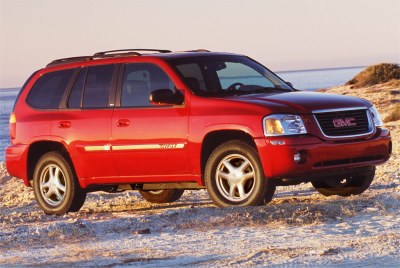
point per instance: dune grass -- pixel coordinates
(376, 74)
(394, 115)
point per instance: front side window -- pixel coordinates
(140, 79)
(49, 89)
(220, 75)
(193, 76)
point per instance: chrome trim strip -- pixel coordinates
(149, 146)
(371, 125)
(339, 110)
(97, 148)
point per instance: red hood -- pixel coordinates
(305, 101)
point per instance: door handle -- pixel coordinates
(123, 122)
(64, 124)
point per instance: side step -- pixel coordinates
(163, 186)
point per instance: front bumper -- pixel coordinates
(320, 157)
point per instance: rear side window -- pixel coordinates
(49, 89)
(97, 88)
(92, 88)
(75, 97)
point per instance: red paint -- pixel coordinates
(166, 141)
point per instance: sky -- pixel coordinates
(281, 34)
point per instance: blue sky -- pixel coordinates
(281, 34)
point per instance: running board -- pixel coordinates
(161, 186)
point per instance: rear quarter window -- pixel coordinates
(49, 89)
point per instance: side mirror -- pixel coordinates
(166, 97)
(289, 84)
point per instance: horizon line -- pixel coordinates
(284, 71)
(318, 69)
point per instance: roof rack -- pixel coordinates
(69, 60)
(106, 54)
(114, 53)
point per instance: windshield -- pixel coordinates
(227, 75)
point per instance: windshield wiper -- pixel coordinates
(260, 90)
(244, 91)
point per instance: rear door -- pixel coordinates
(148, 141)
(84, 121)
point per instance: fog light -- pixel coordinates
(297, 158)
(300, 157)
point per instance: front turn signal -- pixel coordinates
(273, 126)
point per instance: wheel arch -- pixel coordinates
(38, 149)
(215, 138)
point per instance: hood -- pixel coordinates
(304, 101)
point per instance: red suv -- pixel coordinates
(160, 122)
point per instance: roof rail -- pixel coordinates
(69, 60)
(114, 53)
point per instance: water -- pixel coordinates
(7, 99)
(322, 78)
(304, 80)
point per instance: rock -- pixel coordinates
(142, 231)
(330, 251)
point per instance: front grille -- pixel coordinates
(344, 123)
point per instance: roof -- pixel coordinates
(162, 53)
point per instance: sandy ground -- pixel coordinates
(299, 227)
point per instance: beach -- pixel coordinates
(299, 227)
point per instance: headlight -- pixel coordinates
(376, 117)
(283, 124)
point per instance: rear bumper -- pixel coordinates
(320, 157)
(16, 161)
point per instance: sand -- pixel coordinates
(299, 227)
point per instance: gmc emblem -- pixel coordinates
(345, 122)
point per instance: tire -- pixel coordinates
(234, 176)
(55, 185)
(269, 193)
(162, 196)
(346, 186)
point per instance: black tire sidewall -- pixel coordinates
(166, 196)
(359, 184)
(257, 196)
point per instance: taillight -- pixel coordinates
(13, 126)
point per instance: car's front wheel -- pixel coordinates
(234, 176)
(56, 188)
(347, 185)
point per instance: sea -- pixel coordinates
(304, 80)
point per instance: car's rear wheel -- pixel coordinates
(162, 196)
(234, 176)
(346, 185)
(56, 188)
